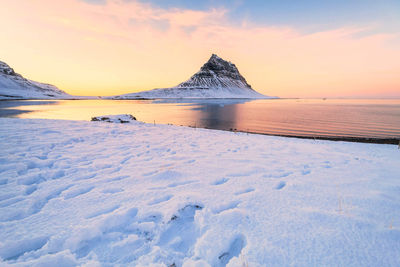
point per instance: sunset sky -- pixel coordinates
(286, 48)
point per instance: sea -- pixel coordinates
(365, 120)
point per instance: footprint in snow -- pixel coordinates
(224, 207)
(77, 192)
(36, 206)
(102, 211)
(149, 173)
(118, 178)
(244, 191)
(220, 181)
(181, 232)
(280, 185)
(30, 189)
(278, 174)
(234, 250)
(327, 164)
(306, 170)
(112, 190)
(18, 248)
(86, 177)
(9, 202)
(166, 175)
(181, 183)
(157, 188)
(167, 165)
(7, 196)
(151, 217)
(160, 200)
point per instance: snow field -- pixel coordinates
(101, 194)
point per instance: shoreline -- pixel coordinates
(368, 140)
(355, 139)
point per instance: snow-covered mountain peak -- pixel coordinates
(6, 69)
(219, 65)
(15, 86)
(216, 72)
(217, 78)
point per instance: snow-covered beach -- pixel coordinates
(102, 194)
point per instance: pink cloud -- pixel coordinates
(122, 46)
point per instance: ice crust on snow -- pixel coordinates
(14, 86)
(217, 78)
(104, 194)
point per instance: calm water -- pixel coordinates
(299, 117)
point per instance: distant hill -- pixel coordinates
(217, 78)
(14, 86)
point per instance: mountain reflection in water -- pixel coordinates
(364, 118)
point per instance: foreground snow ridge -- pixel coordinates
(136, 194)
(217, 78)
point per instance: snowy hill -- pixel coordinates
(14, 86)
(216, 79)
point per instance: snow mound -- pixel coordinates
(122, 118)
(217, 78)
(14, 86)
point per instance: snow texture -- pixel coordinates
(103, 194)
(14, 86)
(217, 78)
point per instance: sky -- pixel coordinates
(285, 48)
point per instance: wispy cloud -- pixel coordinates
(120, 46)
(96, 2)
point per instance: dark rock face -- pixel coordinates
(216, 73)
(123, 118)
(5, 69)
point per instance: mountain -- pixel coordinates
(217, 78)
(14, 86)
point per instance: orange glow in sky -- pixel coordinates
(129, 46)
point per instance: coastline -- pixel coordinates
(368, 140)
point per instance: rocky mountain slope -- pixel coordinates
(14, 86)
(217, 78)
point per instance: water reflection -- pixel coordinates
(211, 113)
(300, 117)
(211, 101)
(217, 116)
(10, 108)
